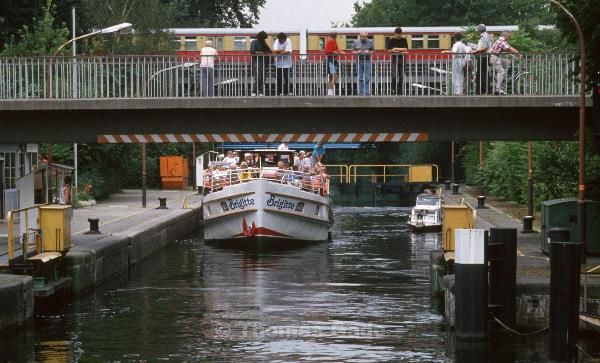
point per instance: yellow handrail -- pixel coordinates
(384, 171)
(11, 230)
(342, 172)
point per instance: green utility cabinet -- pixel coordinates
(563, 213)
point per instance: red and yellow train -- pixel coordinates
(421, 40)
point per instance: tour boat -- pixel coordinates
(265, 202)
(426, 215)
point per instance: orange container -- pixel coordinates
(174, 172)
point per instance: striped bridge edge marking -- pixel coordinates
(269, 138)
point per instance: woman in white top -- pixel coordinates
(459, 60)
(208, 56)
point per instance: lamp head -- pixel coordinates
(116, 28)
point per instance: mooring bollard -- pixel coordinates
(163, 203)
(480, 201)
(94, 229)
(502, 252)
(455, 189)
(565, 259)
(527, 224)
(471, 286)
(447, 185)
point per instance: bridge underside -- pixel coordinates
(390, 118)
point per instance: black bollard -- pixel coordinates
(528, 224)
(481, 202)
(163, 203)
(502, 252)
(455, 189)
(447, 185)
(94, 229)
(471, 286)
(565, 259)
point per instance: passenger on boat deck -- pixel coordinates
(236, 156)
(301, 161)
(230, 158)
(220, 157)
(248, 160)
(245, 175)
(233, 174)
(282, 172)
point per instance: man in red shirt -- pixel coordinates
(331, 51)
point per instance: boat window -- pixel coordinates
(299, 207)
(224, 206)
(424, 200)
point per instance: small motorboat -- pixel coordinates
(426, 215)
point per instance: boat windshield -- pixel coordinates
(428, 200)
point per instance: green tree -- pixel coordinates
(216, 13)
(42, 38)
(451, 12)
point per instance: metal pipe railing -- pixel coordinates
(246, 75)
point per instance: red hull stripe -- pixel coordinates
(262, 231)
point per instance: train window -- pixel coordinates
(433, 41)
(239, 43)
(349, 41)
(417, 41)
(191, 43)
(217, 42)
(322, 41)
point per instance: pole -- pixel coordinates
(528, 219)
(565, 264)
(143, 175)
(194, 165)
(74, 80)
(452, 165)
(581, 194)
(471, 283)
(481, 197)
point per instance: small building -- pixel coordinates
(16, 160)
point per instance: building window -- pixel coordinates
(10, 170)
(239, 43)
(433, 41)
(191, 43)
(417, 41)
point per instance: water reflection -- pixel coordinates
(362, 297)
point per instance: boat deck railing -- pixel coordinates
(218, 180)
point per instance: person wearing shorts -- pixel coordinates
(331, 51)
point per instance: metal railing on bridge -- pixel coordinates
(386, 173)
(307, 75)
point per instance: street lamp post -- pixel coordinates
(581, 222)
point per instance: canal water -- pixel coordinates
(362, 297)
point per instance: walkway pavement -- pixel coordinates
(118, 214)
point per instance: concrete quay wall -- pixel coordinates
(90, 264)
(16, 300)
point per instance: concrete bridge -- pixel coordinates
(165, 99)
(196, 119)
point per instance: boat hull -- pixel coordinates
(424, 228)
(263, 210)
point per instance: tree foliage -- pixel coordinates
(42, 38)
(451, 12)
(587, 13)
(216, 13)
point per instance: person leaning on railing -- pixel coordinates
(483, 47)
(501, 63)
(459, 63)
(233, 174)
(245, 174)
(208, 56)
(260, 61)
(398, 47)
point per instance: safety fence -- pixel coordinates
(292, 75)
